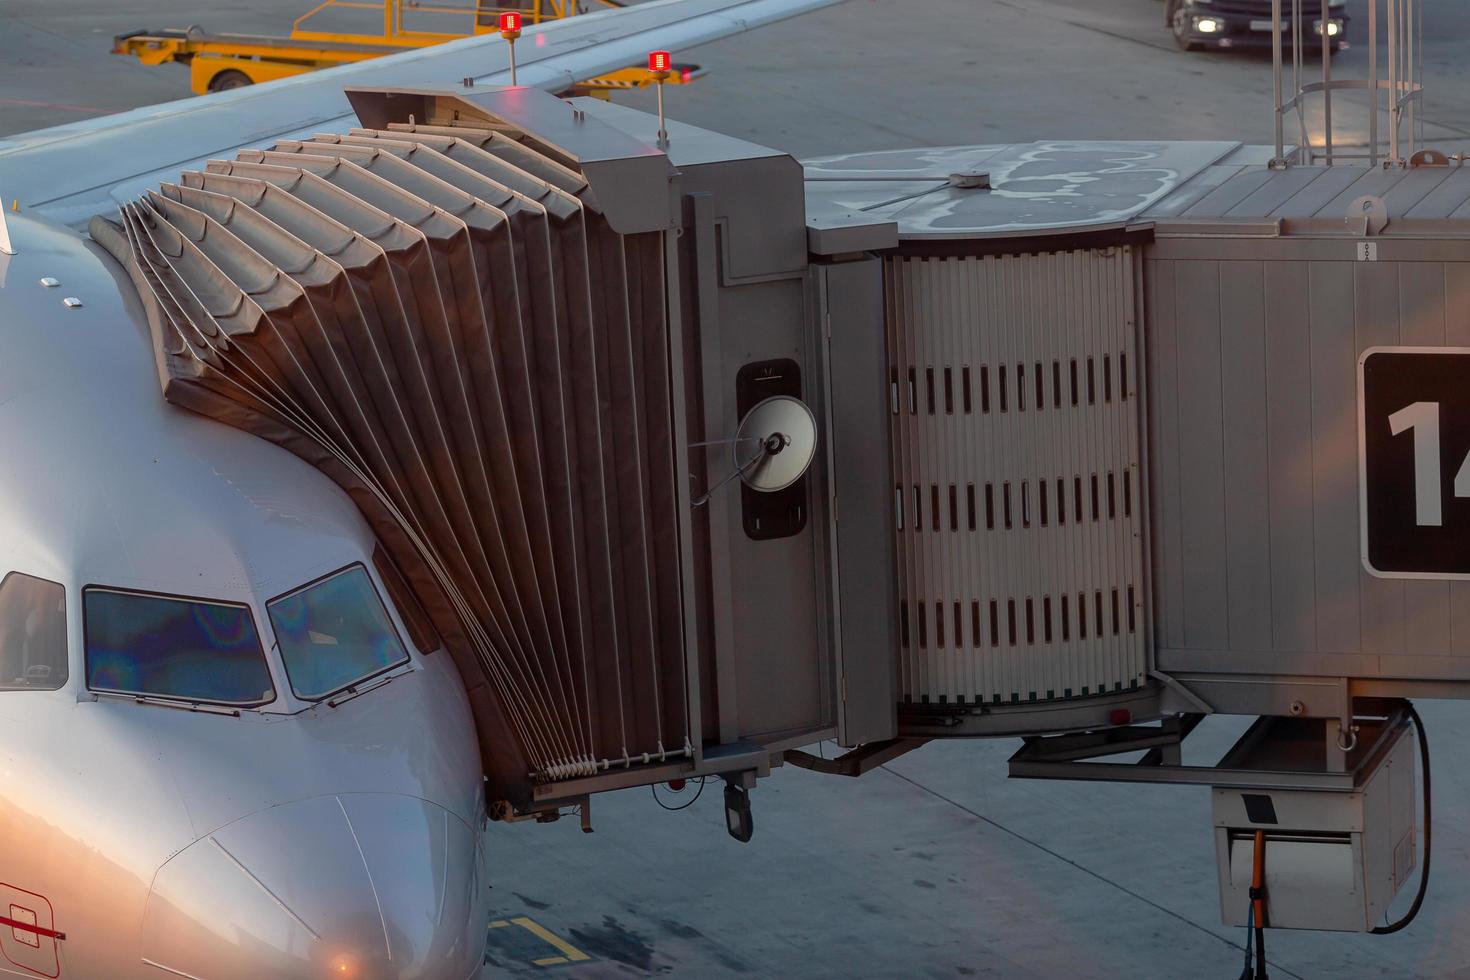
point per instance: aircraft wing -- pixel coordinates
(68, 173)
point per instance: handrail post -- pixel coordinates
(1276, 26)
(1393, 82)
(1326, 83)
(1373, 83)
(1303, 141)
(1409, 48)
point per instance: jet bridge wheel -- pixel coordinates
(228, 79)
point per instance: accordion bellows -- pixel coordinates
(436, 319)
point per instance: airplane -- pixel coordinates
(245, 805)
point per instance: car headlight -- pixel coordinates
(1209, 25)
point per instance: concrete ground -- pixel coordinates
(935, 865)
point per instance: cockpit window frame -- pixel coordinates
(175, 698)
(388, 612)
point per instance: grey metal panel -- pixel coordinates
(861, 513)
(1247, 483)
(1310, 199)
(1329, 663)
(1252, 357)
(1252, 430)
(1422, 323)
(1223, 198)
(1201, 454)
(1177, 243)
(714, 414)
(1288, 411)
(1375, 323)
(1457, 334)
(848, 232)
(1163, 380)
(762, 321)
(1034, 600)
(1035, 188)
(1334, 456)
(1374, 182)
(1192, 190)
(1446, 198)
(767, 601)
(1415, 188)
(1273, 193)
(626, 179)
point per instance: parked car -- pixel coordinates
(1198, 24)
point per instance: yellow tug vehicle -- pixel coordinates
(323, 38)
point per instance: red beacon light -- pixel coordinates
(510, 29)
(660, 66)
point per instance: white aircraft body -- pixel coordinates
(223, 755)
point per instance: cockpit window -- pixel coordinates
(334, 633)
(32, 634)
(191, 649)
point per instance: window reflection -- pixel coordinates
(173, 648)
(334, 633)
(32, 634)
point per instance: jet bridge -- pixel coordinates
(1100, 433)
(504, 327)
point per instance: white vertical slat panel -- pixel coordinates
(1130, 367)
(1001, 317)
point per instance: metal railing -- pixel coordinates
(1403, 23)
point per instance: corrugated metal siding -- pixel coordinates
(1253, 439)
(1016, 464)
(1303, 192)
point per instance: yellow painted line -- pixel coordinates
(499, 924)
(571, 953)
(549, 961)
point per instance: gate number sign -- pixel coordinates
(1414, 461)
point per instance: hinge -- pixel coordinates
(827, 324)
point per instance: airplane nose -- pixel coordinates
(362, 886)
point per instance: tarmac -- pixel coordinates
(935, 865)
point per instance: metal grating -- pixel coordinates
(1013, 398)
(438, 321)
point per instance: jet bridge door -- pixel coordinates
(1019, 515)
